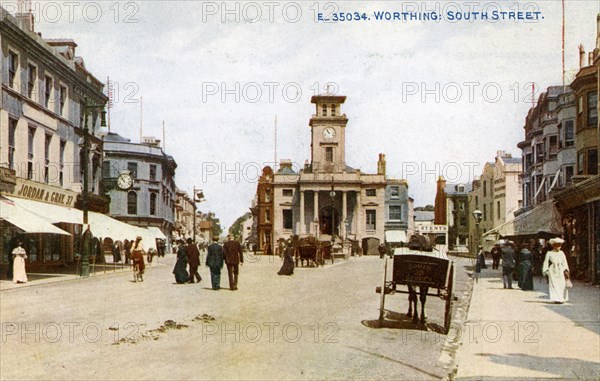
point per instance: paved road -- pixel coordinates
(316, 324)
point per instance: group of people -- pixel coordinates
(230, 254)
(521, 263)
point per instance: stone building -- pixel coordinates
(47, 94)
(184, 215)
(398, 210)
(452, 209)
(262, 211)
(326, 196)
(151, 200)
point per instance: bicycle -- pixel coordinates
(137, 275)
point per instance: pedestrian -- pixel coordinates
(508, 264)
(19, 255)
(116, 252)
(137, 254)
(496, 253)
(180, 272)
(381, 250)
(556, 269)
(127, 250)
(193, 257)
(234, 258)
(214, 261)
(479, 264)
(526, 270)
(288, 259)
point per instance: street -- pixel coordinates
(317, 324)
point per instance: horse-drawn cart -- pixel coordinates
(420, 266)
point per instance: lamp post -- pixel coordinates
(477, 215)
(332, 195)
(198, 197)
(86, 239)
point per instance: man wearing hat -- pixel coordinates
(214, 261)
(234, 256)
(556, 269)
(508, 263)
(193, 257)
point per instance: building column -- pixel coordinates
(359, 227)
(302, 222)
(344, 215)
(316, 211)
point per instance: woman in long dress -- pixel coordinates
(288, 260)
(180, 269)
(19, 255)
(556, 269)
(525, 271)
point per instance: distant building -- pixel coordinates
(184, 216)
(151, 200)
(397, 207)
(262, 210)
(451, 209)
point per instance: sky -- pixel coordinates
(437, 97)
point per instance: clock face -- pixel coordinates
(125, 181)
(329, 133)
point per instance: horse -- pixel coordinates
(419, 243)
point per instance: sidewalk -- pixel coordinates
(521, 335)
(68, 274)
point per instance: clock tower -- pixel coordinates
(328, 134)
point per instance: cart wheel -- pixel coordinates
(449, 298)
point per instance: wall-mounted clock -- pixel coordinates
(125, 181)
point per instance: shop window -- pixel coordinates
(371, 222)
(287, 219)
(132, 203)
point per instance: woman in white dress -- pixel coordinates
(556, 269)
(19, 254)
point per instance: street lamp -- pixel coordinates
(477, 215)
(198, 197)
(86, 239)
(332, 195)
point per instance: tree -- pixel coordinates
(215, 225)
(427, 208)
(236, 228)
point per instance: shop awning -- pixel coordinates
(51, 212)
(25, 220)
(395, 236)
(543, 218)
(157, 232)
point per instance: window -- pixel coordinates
(580, 105)
(287, 219)
(539, 152)
(497, 210)
(592, 109)
(61, 176)
(333, 110)
(47, 91)
(12, 128)
(30, 137)
(484, 188)
(12, 68)
(371, 192)
(476, 202)
(47, 158)
(485, 212)
(553, 147)
(267, 195)
(288, 192)
(395, 213)
(62, 99)
(132, 168)
(394, 192)
(152, 172)
(569, 134)
(324, 110)
(592, 162)
(371, 218)
(106, 169)
(31, 79)
(153, 204)
(568, 174)
(132, 203)
(580, 161)
(329, 154)
(267, 215)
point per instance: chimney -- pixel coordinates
(581, 56)
(500, 153)
(26, 21)
(381, 165)
(590, 58)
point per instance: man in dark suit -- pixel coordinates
(193, 257)
(214, 261)
(234, 256)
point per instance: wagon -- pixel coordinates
(420, 266)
